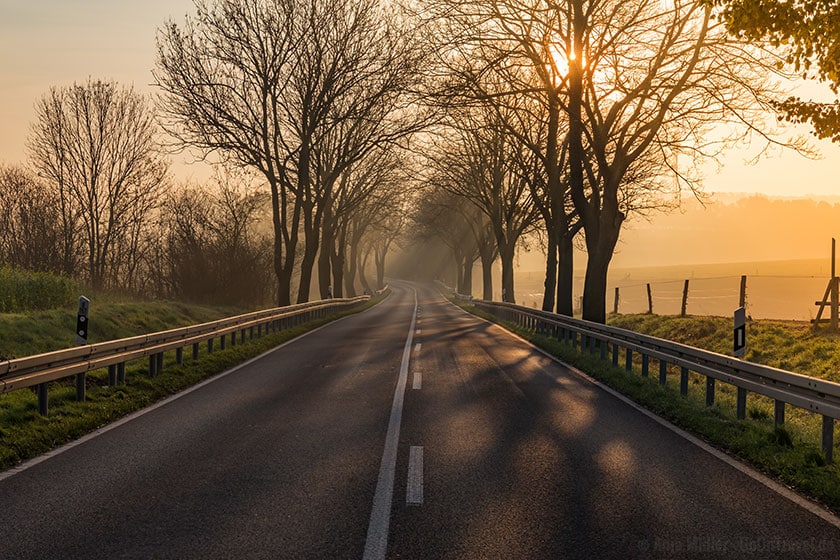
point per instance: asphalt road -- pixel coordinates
(498, 452)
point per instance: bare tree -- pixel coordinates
(95, 144)
(640, 81)
(482, 162)
(31, 235)
(214, 251)
(295, 89)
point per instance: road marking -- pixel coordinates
(376, 543)
(414, 488)
(418, 380)
(417, 346)
(776, 487)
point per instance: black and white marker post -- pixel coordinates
(82, 327)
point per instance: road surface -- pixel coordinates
(372, 439)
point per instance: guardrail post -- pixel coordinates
(628, 359)
(179, 355)
(195, 351)
(80, 386)
(663, 372)
(645, 365)
(223, 341)
(243, 334)
(43, 399)
(684, 381)
(828, 438)
(259, 330)
(741, 403)
(160, 362)
(152, 365)
(779, 413)
(710, 390)
(251, 333)
(121, 373)
(603, 345)
(615, 354)
(112, 375)
(209, 345)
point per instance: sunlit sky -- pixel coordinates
(56, 42)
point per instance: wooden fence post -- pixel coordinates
(684, 299)
(615, 303)
(742, 298)
(650, 300)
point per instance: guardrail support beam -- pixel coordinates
(152, 365)
(663, 372)
(121, 373)
(112, 375)
(684, 381)
(615, 355)
(81, 389)
(645, 365)
(741, 403)
(43, 399)
(710, 390)
(179, 355)
(828, 438)
(779, 413)
(628, 359)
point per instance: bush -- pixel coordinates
(22, 290)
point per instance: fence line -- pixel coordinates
(764, 296)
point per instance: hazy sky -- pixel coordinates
(56, 42)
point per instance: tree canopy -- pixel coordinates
(808, 34)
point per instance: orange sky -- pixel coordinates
(57, 42)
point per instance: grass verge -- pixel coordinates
(789, 453)
(25, 434)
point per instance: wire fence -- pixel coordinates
(765, 297)
(782, 297)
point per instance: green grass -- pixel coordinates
(26, 334)
(25, 434)
(790, 453)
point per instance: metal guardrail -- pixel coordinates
(41, 369)
(785, 387)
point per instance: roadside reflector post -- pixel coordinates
(739, 333)
(82, 328)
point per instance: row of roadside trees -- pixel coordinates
(485, 123)
(603, 110)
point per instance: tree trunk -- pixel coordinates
(550, 284)
(468, 277)
(565, 280)
(506, 255)
(487, 259)
(337, 259)
(325, 257)
(362, 271)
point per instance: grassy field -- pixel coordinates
(790, 453)
(25, 434)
